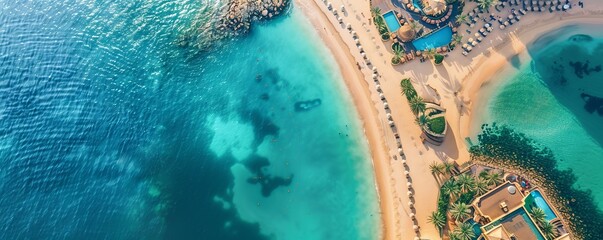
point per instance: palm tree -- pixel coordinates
(449, 168)
(493, 178)
(457, 38)
(417, 105)
(548, 230)
(436, 168)
(464, 232)
(481, 187)
(376, 11)
(398, 52)
(461, 18)
(430, 52)
(538, 215)
(407, 88)
(438, 219)
(486, 4)
(450, 188)
(465, 182)
(422, 120)
(460, 211)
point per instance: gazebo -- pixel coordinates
(406, 33)
(434, 7)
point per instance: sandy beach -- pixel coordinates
(455, 85)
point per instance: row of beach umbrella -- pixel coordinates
(375, 76)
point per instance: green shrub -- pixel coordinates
(437, 125)
(438, 58)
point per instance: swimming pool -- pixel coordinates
(536, 200)
(438, 38)
(392, 21)
(477, 228)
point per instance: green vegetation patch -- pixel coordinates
(437, 125)
(501, 146)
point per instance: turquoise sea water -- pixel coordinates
(114, 125)
(557, 100)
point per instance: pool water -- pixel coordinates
(392, 21)
(438, 38)
(536, 200)
(477, 228)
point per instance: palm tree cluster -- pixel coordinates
(545, 226)
(417, 104)
(459, 191)
(379, 22)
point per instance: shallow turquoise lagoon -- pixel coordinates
(115, 124)
(557, 100)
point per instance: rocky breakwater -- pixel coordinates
(240, 14)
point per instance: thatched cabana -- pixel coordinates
(406, 33)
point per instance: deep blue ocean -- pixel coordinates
(118, 122)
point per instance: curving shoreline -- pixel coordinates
(467, 78)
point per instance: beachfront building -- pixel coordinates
(506, 213)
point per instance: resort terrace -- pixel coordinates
(516, 224)
(499, 201)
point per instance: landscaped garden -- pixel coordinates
(430, 117)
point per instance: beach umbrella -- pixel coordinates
(357, 41)
(558, 7)
(410, 203)
(349, 26)
(502, 26)
(411, 215)
(409, 185)
(404, 162)
(360, 48)
(329, 5)
(363, 55)
(566, 6)
(342, 8)
(378, 87)
(400, 151)
(385, 105)
(490, 28)
(389, 116)
(374, 69)
(374, 74)
(340, 19)
(391, 123)
(381, 96)
(354, 33)
(415, 227)
(517, 17)
(506, 23)
(409, 193)
(407, 173)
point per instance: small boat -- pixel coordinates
(307, 105)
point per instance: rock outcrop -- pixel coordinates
(240, 14)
